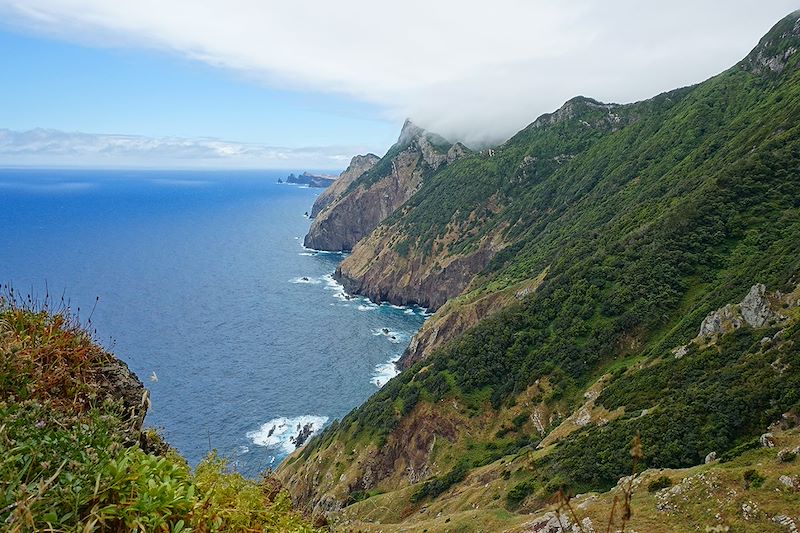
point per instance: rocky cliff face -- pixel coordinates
(460, 314)
(378, 272)
(359, 165)
(377, 193)
(777, 49)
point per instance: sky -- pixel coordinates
(268, 84)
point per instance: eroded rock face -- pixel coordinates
(776, 48)
(351, 216)
(357, 167)
(118, 382)
(414, 281)
(755, 308)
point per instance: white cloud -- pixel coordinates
(466, 68)
(42, 147)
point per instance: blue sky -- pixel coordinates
(311, 82)
(49, 83)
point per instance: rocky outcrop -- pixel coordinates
(368, 200)
(776, 49)
(382, 275)
(460, 314)
(756, 310)
(358, 166)
(117, 382)
(319, 181)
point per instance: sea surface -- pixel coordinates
(206, 291)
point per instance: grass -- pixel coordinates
(70, 452)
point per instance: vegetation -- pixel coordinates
(70, 457)
(646, 217)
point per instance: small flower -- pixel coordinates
(40, 424)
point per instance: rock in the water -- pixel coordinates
(302, 436)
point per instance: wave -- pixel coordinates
(395, 337)
(384, 372)
(287, 434)
(307, 280)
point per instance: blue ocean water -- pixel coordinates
(205, 290)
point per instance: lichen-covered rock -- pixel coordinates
(790, 482)
(710, 458)
(755, 308)
(550, 523)
(721, 321)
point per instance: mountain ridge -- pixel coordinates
(616, 230)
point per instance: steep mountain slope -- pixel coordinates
(605, 234)
(357, 167)
(375, 194)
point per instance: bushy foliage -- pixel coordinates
(646, 217)
(661, 482)
(68, 457)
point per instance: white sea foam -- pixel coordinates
(367, 307)
(337, 288)
(282, 432)
(384, 372)
(307, 280)
(395, 337)
(408, 312)
(308, 254)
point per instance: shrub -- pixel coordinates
(659, 483)
(752, 478)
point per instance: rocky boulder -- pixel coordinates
(755, 310)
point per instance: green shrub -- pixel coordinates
(659, 483)
(752, 478)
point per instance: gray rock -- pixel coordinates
(721, 321)
(755, 309)
(767, 440)
(550, 523)
(787, 522)
(710, 458)
(790, 482)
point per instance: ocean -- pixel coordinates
(205, 290)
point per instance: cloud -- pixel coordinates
(41, 147)
(467, 69)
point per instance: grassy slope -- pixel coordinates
(648, 216)
(701, 496)
(70, 458)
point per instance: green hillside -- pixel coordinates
(645, 218)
